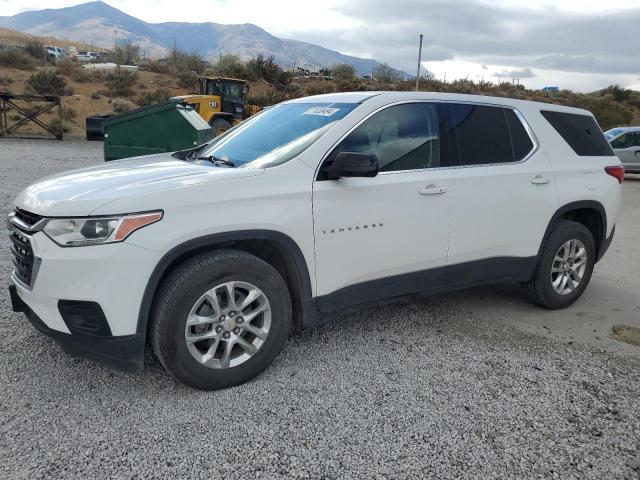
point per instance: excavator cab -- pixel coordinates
(221, 102)
(232, 93)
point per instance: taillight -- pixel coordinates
(617, 172)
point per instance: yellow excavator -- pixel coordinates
(221, 102)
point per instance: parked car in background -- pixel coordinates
(86, 57)
(312, 207)
(625, 142)
(55, 52)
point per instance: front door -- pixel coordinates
(370, 233)
(627, 148)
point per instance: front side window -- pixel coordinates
(277, 135)
(402, 137)
(484, 137)
(628, 140)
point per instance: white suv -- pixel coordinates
(313, 206)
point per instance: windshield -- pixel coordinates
(278, 134)
(612, 133)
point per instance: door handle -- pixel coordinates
(540, 180)
(432, 190)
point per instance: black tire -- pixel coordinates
(540, 289)
(219, 126)
(182, 289)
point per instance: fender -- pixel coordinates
(582, 204)
(209, 240)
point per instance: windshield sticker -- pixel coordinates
(322, 111)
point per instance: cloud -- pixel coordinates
(523, 73)
(498, 34)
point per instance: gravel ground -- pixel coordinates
(414, 390)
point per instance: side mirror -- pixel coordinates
(352, 164)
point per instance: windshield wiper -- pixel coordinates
(216, 161)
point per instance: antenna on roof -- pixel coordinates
(419, 62)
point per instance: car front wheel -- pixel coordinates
(220, 319)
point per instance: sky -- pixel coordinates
(578, 44)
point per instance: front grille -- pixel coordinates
(28, 218)
(23, 258)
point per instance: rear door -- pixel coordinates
(505, 192)
(371, 232)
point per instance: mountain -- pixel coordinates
(100, 24)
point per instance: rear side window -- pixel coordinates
(581, 132)
(488, 135)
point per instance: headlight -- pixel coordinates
(78, 232)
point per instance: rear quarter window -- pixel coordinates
(581, 132)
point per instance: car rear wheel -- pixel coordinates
(220, 319)
(564, 267)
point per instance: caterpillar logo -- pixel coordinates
(365, 226)
(213, 104)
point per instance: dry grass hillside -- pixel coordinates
(87, 92)
(90, 95)
(13, 38)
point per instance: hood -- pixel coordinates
(80, 192)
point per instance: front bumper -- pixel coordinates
(103, 285)
(124, 352)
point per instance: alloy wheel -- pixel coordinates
(228, 324)
(568, 267)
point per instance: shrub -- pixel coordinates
(127, 53)
(35, 49)
(96, 96)
(162, 81)
(60, 126)
(6, 81)
(160, 95)
(188, 80)
(182, 61)
(68, 114)
(230, 66)
(157, 66)
(16, 58)
(67, 66)
(265, 68)
(120, 105)
(121, 82)
(48, 81)
(383, 73)
(618, 93)
(318, 87)
(93, 76)
(266, 98)
(343, 71)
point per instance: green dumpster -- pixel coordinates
(158, 128)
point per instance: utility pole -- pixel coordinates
(419, 62)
